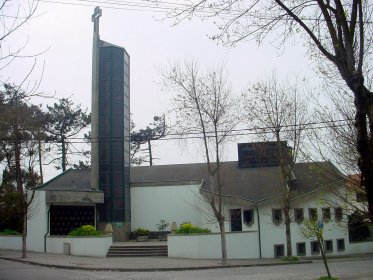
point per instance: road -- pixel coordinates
(352, 269)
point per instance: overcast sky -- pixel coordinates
(64, 33)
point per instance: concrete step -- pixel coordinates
(137, 251)
(148, 254)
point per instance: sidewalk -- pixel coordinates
(139, 263)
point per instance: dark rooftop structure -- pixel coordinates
(262, 154)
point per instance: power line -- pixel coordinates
(164, 6)
(209, 134)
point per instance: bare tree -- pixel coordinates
(338, 34)
(13, 15)
(281, 110)
(337, 142)
(204, 105)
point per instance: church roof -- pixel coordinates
(253, 184)
(70, 180)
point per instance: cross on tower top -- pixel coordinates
(96, 19)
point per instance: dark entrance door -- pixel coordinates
(63, 219)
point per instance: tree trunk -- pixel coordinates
(40, 162)
(223, 243)
(63, 153)
(289, 249)
(364, 112)
(322, 249)
(150, 153)
(285, 171)
(17, 154)
(24, 231)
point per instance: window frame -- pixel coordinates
(329, 242)
(298, 246)
(244, 217)
(313, 252)
(234, 220)
(277, 222)
(296, 216)
(361, 197)
(275, 246)
(326, 212)
(338, 218)
(312, 217)
(339, 248)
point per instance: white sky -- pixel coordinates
(64, 32)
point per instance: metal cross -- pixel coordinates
(96, 19)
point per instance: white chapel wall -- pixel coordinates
(209, 220)
(272, 234)
(37, 224)
(177, 203)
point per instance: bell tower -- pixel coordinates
(110, 146)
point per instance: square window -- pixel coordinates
(301, 249)
(340, 244)
(361, 197)
(312, 214)
(326, 216)
(338, 213)
(277, 216)
(248, 217)
(298, 215)
(279, 250)
(328, 244)
(315, 248)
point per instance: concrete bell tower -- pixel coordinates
(110, 147)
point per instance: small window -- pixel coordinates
(298, 215)
(248, 217)
(328, 244)
(312, 214)
(279, 250)
(340, 244)
(361, 197)
(326, 216)
(338, 214)
(236, 220)
(301, 249)
(315, 248)
(277, 216)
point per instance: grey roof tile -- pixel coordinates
(254, 184)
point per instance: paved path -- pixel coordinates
(346, 269)
(140, 263)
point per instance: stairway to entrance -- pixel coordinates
(138, 250)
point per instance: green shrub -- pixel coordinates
(290, 259)
(86, 230)
(188, 228)
(162, 225)
(9, 232)
(141, 232)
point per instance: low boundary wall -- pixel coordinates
(96, 246)
(360, 247)
(79, 246)
(240, 245)
(11, 242)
